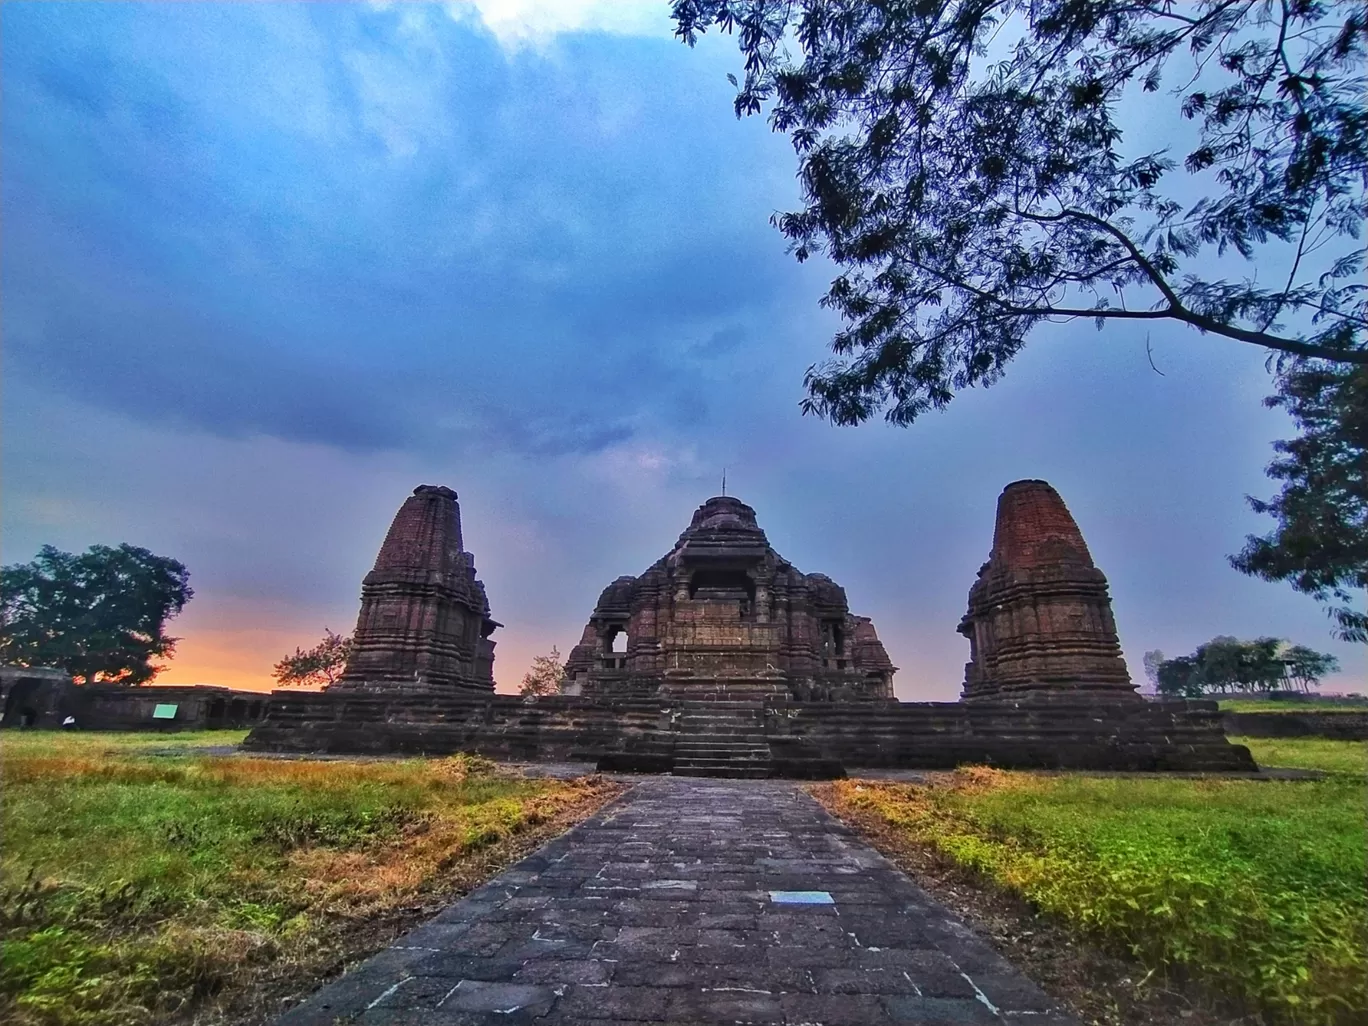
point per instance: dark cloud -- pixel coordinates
(428, 268)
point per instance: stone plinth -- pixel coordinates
(722, 607)
(1040, 621)
(666, 735)
(424, 624)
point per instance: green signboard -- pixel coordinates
(164, 712)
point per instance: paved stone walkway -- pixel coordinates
(659, 909)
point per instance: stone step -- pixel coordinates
(721, 754)
(757, 771)
(725, 743)
(704, 722)
(718, 761)
(721, 721)
(721, 757)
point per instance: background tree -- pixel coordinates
(1305, 667)
(1179, 678)
(1226, 664)
(100, 615)
(962, 163)
(1218, 663)
(1320, 544)
(316, 667)
(545, 676)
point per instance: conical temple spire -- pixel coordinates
(1034, 528)
(425, 534)
(424, 622)
(1040, 619)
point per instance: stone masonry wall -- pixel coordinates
(924, 735)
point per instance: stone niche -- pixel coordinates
(1040, 620)
(424, 625)
(723, 612)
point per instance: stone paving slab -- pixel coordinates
(658, 909)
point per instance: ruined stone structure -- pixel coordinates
(1040, 620)
(737, 664)
(723, 613)
(424, 624)
(48, 699)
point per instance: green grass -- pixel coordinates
(1255, 887)
(144, 889)
(1308, 753)
(107, 742)
(1308, 705)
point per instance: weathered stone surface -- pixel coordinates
(644, 735)
(48, 698)
(658, 909)
(424, 624)
(1040, 620)
(723, 613)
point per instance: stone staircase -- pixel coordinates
(721, 738)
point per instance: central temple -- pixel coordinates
(723, 614)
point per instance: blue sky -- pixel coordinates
(266, 267)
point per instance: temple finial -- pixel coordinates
(724, 480)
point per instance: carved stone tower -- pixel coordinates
(1040, 619)
(424, 623)
(723, 610)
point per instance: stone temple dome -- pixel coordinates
(723, 611)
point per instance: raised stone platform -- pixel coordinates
(1339, 726)
(772, 738)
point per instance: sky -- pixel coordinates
(267, 267)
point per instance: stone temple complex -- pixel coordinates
(723, 659)
(724, 613)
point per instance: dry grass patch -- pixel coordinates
(139, 888)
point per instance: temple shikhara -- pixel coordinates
(723, 612)
(724, 659)
(424, 623)
(1040, 619)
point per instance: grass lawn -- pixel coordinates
(1255, 888)
(1308, 753)
(109, 742)
(1309, 705)
(146, 888)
